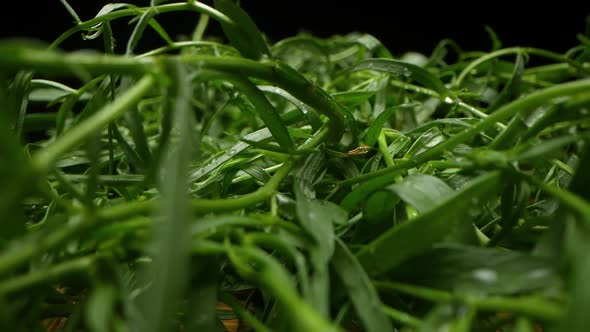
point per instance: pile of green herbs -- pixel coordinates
(310, 185)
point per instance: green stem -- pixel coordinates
(270, 275)
(44, 159)
(564, 196)
(531, 101)
(511, 50)
(46, 276)
(202, 206)
(196, 6)
(400, 316)
(202, 247)
(285, 78)
(17, 56)
(20, 254)
(383, 148)
(262, 106)
(201, 27)
(507, 135)
(216, 205)
(22, 251)
(179, 45)
(422, 90)
(531, 306)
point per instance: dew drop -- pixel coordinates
(485, 275)
(539, 273)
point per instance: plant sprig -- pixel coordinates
(311, 185)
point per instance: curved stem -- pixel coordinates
(196, 6)
(45, 276)
(203, 206)
(564, 196)
(529, 305)
(262, 106)
(44, 159)
(511, 50)
(286, 78)
(270, 275)
(531, 101)
(15, 56)
(179, 45)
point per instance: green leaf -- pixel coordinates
(378, 216)
(360, 193)
(375, 127)
(243, 33)
(257, 266)
(361, 292)
(213, 164)
(423, 192)
(576, 242)
(317, 219)
(309, 174)
(15, 177)
(100, 308)
(132, 155)
(105, 10)
(135, 122)
(209, 225)
(448, 317)
(479, 271)
(372, 44)
(353, 98)
(70, 101)
(18, 100)
(171, 244)
(528, 151)
(312, 117)
(425, 142)
(418, 235)
(258, 173)
(404, 69)
(511, 87)
(301, 42)
(202, 298)
(265, 110)
(161, 31)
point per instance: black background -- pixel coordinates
(401, 26)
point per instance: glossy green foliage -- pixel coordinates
(309, 184)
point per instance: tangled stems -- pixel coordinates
(529, 102)
(203, 206)
(22, 57)
(44, 159)
(511, 50)
(261, 218)
(135, 11)
(528, 305)
(19, 255)
(57, 272)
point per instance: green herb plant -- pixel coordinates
(310, 185)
